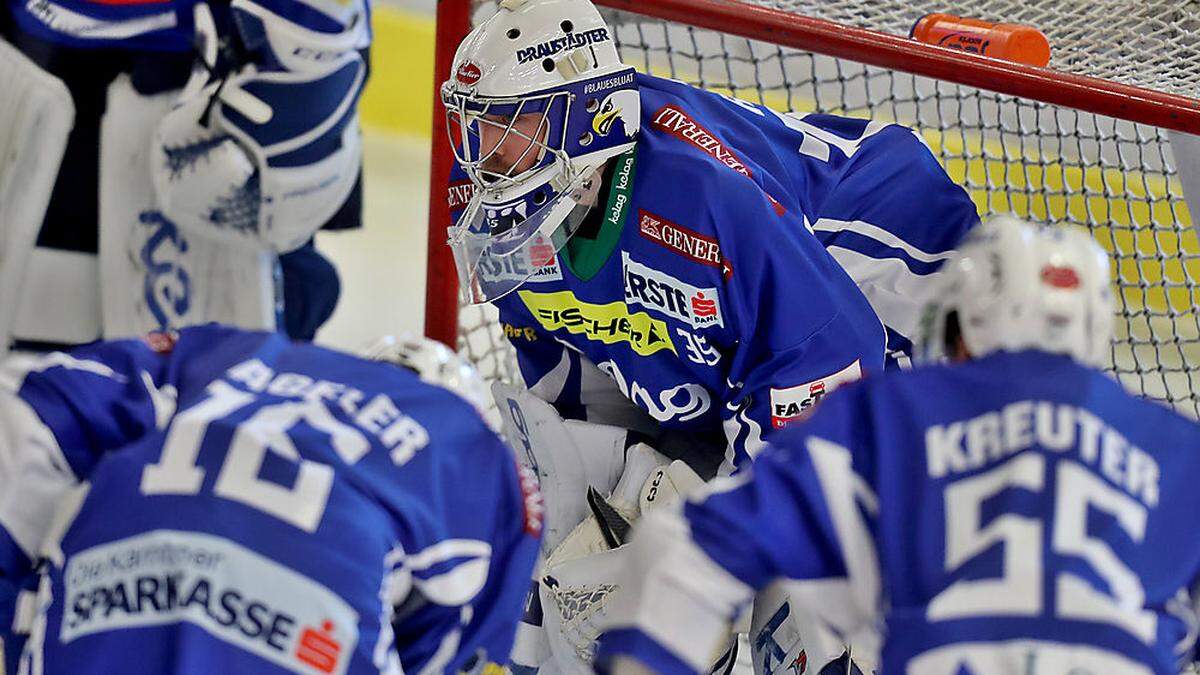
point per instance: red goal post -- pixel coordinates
(1081, 143)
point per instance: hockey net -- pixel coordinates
(1029, 152)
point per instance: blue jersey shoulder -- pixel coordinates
(744, 211)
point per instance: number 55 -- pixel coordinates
(1018, 591)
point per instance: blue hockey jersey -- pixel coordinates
(722, 311)
(1016, 514)
(238, 503)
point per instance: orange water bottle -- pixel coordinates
(1009, 41)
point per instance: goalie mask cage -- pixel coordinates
(1084, 143)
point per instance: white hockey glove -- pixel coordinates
(568, 457)
(582, 576)
(266, 153)
(594, 489)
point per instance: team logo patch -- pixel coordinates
(166, 577)
(610, 323)
(650, 288)
(794, 403)
(691, 245)
(459, 194)
(679, 124)
(568, 41)
(468, 73)
(540, 264)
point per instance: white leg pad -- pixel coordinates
(36, 116)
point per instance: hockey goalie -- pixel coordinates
(681, 273)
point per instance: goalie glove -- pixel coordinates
(568, 456)
(263, 151)
(581, 577)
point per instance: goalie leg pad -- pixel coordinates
(154, 274)
(36, 116)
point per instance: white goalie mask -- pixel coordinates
(537, 102)
(434, 363)
(1014, 286)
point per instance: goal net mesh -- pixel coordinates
(1114, 178)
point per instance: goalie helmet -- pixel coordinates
(434, 363)
(537, 102)
(1013, 286)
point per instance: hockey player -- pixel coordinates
(693, 231)
(232, 502)
(209, 142)
(699, 256)
(1016, 512)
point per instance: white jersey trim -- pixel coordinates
(63, 20)
(881, 235)
(31, 459)
(679, 597)
(893, 290)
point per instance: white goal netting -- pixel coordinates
(1114, 178)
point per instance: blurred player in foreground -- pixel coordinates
(232, 502)
(203, 144)
(1014, 513)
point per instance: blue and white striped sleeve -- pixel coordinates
(891, 221)
(803, 512)
(59, 413)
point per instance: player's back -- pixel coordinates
(288, 499)
(1046, 521)
(847, 181)
(824, 166)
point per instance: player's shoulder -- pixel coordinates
(1006, 376)
(691, 141)
(692, 206)
(884, 151)
(705, 185)
(112, 360)
(455, 431)
(1146, 422)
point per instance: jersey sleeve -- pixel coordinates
(488, 638)
(59, 413)
(889, 242)
(804, 511)
(462, 568)
(803, 326)
(783, 387)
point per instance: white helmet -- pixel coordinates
(434, 363)
(554, 65)
(1013, 286)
